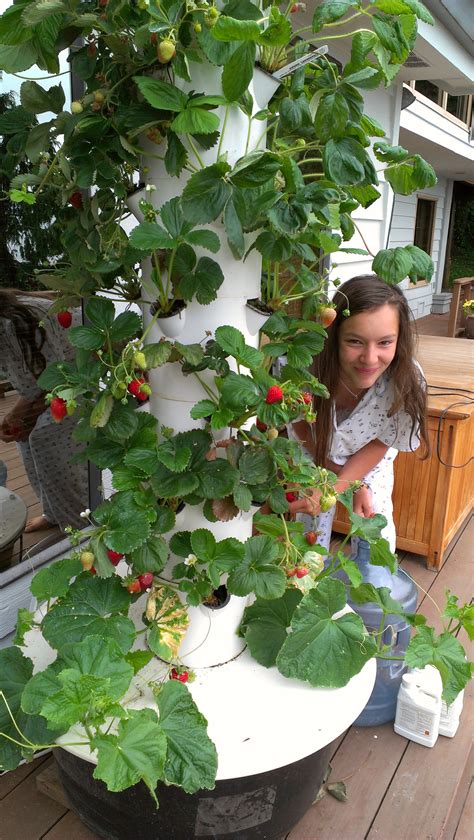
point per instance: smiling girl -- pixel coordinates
(378, 400)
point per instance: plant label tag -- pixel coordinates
(299, 62)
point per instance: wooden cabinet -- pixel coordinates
(433, 497)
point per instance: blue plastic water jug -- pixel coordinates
(382, 703)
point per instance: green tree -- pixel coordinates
(29, 234)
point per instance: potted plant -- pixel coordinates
(468, 312)
(133, 641)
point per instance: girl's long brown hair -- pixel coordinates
(30, 335)
(361, 294)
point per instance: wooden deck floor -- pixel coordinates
(396, 789)
(433, 325)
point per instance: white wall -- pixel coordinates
(402, 231)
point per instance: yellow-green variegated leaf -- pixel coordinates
(169, 624)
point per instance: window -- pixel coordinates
(428, 89)
(459, 107)
(424, 223)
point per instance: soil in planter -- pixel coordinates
(259, 306)
(218, 598)
(176, 307)
(264, 806)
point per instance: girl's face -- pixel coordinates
(367, 345)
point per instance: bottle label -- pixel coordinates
(417, 720)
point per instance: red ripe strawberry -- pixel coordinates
(327, 315)
(290, 497)
(176, 675)
(58, 409)
(301, 572)
(290, 572)
(307, 398)
(114, 557)
(93, 570)
(134, 586)
(76, 200)
(145, 580)
(262, 427)
(274, 395)
(135, 388)
(64, 318)
(311, 537)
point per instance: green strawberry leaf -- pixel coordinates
(127, 525)
(258, 571)
(157, 354)
(152, 556)
(233, 342)
(203, 544)
(54, 581)
(217, 479)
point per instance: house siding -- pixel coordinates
(401, 233)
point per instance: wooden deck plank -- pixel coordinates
(461, 802)
(420, 797)
(465, 828)
(366, 761)
(70, 827)
(25, 814)
(458, 578)
(9, 781)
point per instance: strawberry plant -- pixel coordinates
(217, 221)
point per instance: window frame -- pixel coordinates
(440, 106)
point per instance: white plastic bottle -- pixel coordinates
(418, 711)
(449, 721)
(429, 677)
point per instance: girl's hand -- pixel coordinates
(363, 502)
(309, 504)
(12, 430)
